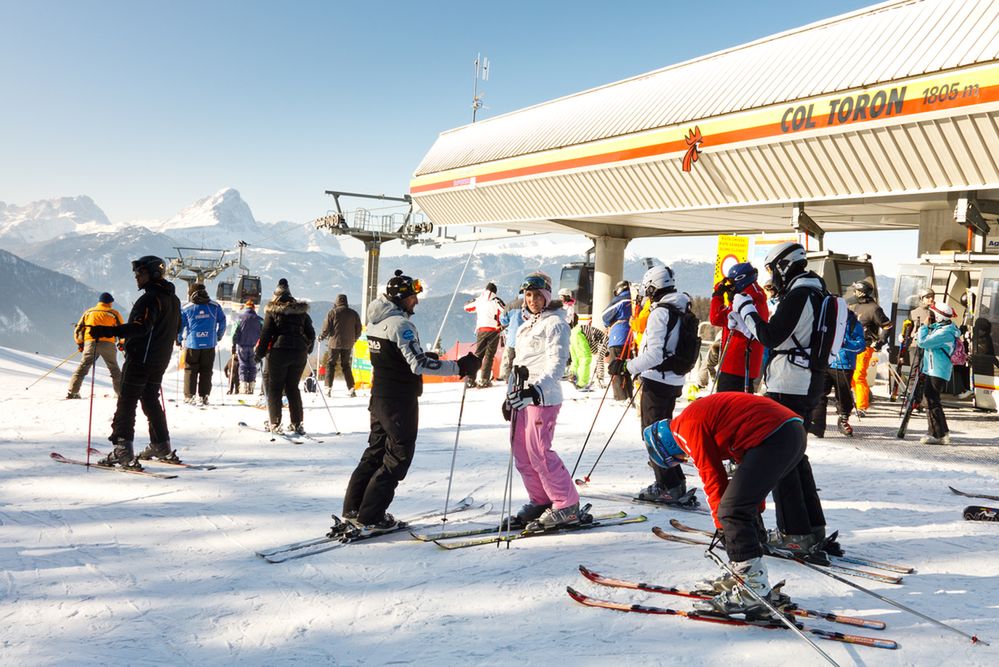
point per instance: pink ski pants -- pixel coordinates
(544, 474)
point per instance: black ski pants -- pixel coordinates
(796, 498)
(732, 382)
(623, 387)
(657, 403)
(339, 356)
(486, 343)
(284, 371)
(932, 387)
(761, 469)
(198, 367)
(140, 384)
(391, 444)
(838, 380)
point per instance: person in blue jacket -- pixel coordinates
(838, 377)
(616, 318)
(202, 325)
(937, 340)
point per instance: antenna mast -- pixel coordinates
(481, 72)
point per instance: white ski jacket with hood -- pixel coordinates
(543, 348)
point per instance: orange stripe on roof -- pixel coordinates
(910, 107)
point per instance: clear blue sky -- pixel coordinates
(147, 107)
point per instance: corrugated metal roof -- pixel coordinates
(883, 43)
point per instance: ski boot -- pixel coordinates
(805, 547)
(388, 524)
(844, 427)
(830, 544)
(738, 599)
(529, 513)
(203, 401)
(553, 518)
(296, 429)
(160, 451)
(73, 394)
(674, 495)
(273, 428)
(122, 456)
(932, 440)
(352, 394)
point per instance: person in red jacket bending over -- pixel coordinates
(743, 354)
(766, 440)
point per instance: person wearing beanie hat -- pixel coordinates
(488, 309)
(286, 340)
(202, 327)
(282, 290)
(244, 340)
(937, 338)
(104, 315)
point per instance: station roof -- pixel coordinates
(838, 110)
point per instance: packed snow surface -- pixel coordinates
(101, 567)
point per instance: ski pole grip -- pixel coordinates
(522, 374)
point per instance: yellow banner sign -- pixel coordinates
(731, 251)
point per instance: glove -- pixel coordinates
(519, 399)
(722, 287)
(736, 323)
(433, 355)
(101, 331)
(469, 365)
(617, 367)
(743, 304)
(79, 347)
(507, 410)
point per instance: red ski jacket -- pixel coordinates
(735, 354)
(723, 427)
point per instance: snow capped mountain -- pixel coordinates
(44, 220)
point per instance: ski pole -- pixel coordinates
(518, 378)
(627, 342)
(721, 360)
(51, 370)
(330, 412)
(457, 286)
(218, 358)
(613, 433)
(791, 625)
(974, 638)
(90, 419)
(746, 383)
(454, 454)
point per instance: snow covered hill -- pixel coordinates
(104, 568)
(44, 220)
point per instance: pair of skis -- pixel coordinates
(684, 504)
(293, 438)
(978, 512)
(832, 566)
(589, 601)
(448, 541)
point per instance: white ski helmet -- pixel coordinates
(658, 278)
(784, 262)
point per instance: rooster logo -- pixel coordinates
(694, 141)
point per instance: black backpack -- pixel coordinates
(829, 314)
(688, 343)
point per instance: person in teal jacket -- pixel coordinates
(581, 356)
(937, 340)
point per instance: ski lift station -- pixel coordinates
(886, 118)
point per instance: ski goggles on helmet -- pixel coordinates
(535, 282)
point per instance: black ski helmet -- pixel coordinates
(152, 264)
(784, 262)
(400, 286)
(621, 287)
(863, 289)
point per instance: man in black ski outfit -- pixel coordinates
(790, 380)
(398, 364)
(150, 334)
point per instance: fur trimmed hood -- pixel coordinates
(287, 307)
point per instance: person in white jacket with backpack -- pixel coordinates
(533, 402)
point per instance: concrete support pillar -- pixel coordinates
(608, 270)
(938, 232)
(369, 288)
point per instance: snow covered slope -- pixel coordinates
(106, 568)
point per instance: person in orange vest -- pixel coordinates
(101, 314)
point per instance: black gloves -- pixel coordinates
(617, 367)
(469, 365)
(433, 355)
(522, 398)
(101, 331)
(507, 410)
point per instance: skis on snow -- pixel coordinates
(472, 532)
(980, 513)
(55, 456)
(273, 436)
(856, 560)
(628, 498)
(175, 464)
(721, 619)
(849, 571)
(973, 495)
(523, 534)
(332, 540)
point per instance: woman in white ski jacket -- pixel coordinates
(533, 403)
